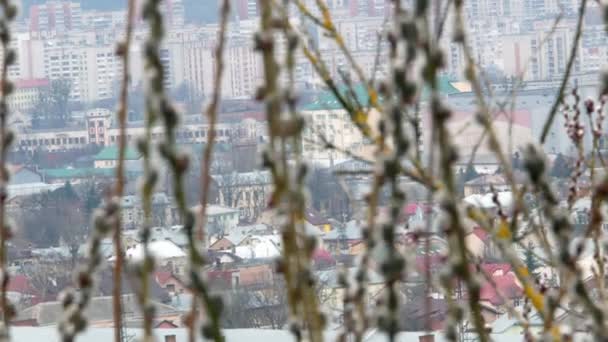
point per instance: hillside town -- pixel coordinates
(65, 153)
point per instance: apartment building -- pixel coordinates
(92, 69)
(59, 16)
(26, 94)
(334, 126)
(538, 55)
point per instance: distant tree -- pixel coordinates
(92, 199)
(561, 168)
(259, 306)
(327, 195)
(52, 107)
(48, 277)
(55, 218)
(531, 261)
(516, 161)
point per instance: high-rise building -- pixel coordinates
(371, 8)
(58, 16)
(246, 9)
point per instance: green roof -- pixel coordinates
(111, 153)
(76, 173)
(328, 101)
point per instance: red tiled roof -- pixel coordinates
(410, 209)
(432, 261)
(21, 284)
(491, 269)
(481, 233)
(162, 277)
(322, 255)
(506, 287)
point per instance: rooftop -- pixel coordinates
(76, 172)
(111, 153)
(327, 100)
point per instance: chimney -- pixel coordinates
(170, 338)
(426, 338)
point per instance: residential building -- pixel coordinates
(59, 16)
(162, 215)
(26, 94)
(540, 54)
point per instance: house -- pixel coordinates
(422, 313)
(247, 275)
(107, 158)
(315, 218)
(175, 234)
(322, 258)
(165, 252)
(21, 174)
(343, 237)
(254, 275)
(165, 324)
(133, 212)
(169, 281)
(480, 244)
(503, 286)
(222, 280)
(227, 241)
(484, 183)
(247, 191)
(416, 213)
(220, 220)
(105, 286)
(99, 312)
(259, 247)
(431, 263)
(332, 291)
(487, 202)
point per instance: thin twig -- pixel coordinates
(123, 52)
(566, 77)
(211, 115)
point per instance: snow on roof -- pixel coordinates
(500, 333)
(244, 178)
(505, 199)
(27, 189)
(330, 278)
(163, 249)
(220, 210)
(260, 247)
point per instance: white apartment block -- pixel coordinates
(25, 96)
(243, 73)
(93, 70)
(538, 55)
(336, 127)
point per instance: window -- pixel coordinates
(171, 287)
